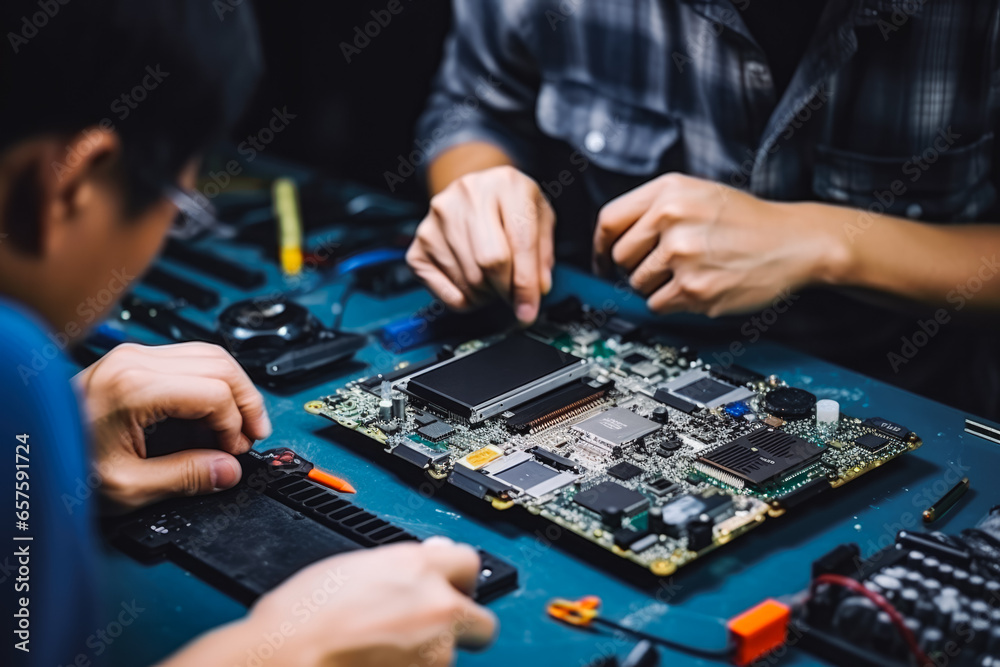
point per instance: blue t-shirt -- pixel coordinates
(48, 582)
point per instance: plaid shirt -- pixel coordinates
(892, 105)
(892, 109)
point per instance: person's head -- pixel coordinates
(105, 106)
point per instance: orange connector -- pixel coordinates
(575, 612)
(759, 630)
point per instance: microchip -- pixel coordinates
(616, 427)
(871, 442)
(496, 378)
(758, 457)
(624, 471)
(626, 537)
(435, 431)
(646, 369)
(662, 486)
(423, 419)
(887, 427)
(527, 474)
(610, 498)
(704, 391)
(635, 358)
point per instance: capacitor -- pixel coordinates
(699, 533)
(827, 414)
(385, 402)
(398, 405)
(660, 415)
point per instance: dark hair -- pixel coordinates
(170, 76)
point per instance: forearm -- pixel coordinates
(938, 264)
(463, 159)
(237, 643)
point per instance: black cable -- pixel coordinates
(338, 318)
(710, 654)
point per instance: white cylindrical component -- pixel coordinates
(827, 413)
(385, 409)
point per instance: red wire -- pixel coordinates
(881, 603)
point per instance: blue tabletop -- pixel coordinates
(771, 561)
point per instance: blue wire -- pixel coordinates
(370, 258)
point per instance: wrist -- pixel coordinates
(832, 252)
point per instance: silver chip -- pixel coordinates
(615, 427)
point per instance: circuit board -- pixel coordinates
(636, 445)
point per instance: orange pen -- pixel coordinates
(335, 483)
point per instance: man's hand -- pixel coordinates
(405, 604)
(488, 232)
(694, 245)
(134, 387)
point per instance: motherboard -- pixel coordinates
(634, 444)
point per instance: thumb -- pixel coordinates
(188, 473)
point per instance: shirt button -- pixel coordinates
(914, 211)
(594, 141)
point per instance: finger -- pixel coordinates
(653, 272)
(435, 279)
(457, 236)
(546, 243)
(670, 299)
(458, 563)
(187, 473)
(440, 254)
(491, 248)
(201, 398)
(475, 626)
(222, 366)
(618, 215)
(638, 241)
(521, 227)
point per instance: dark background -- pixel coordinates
(353, 119)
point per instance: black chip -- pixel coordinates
(608, 498)
(435, 431)
(423, 419)
(662, 486)
(635, 358)
(626, 537)
(887, 427)
(871, 442)
(736, 374)
(761, 456)
(624, 470)
(693, 479)
(677, 403)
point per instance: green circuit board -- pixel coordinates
(636, 445)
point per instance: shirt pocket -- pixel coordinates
(612, 134)
(943, 183)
